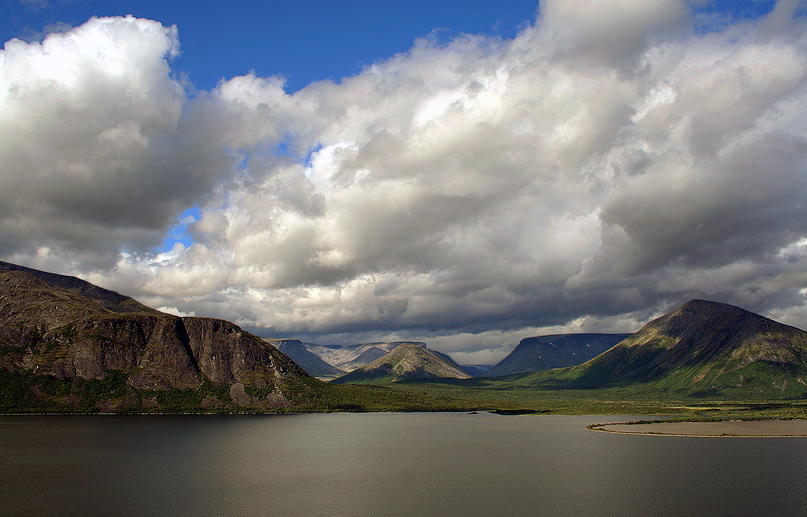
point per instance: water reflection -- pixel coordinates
(385, 464)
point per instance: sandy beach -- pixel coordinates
(737, 429)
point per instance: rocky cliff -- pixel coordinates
(73, 352)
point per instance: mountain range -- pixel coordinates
(328, 362)
(67, 345)
(348, 358)
(298, 352)
(331, 361)
(407, 361)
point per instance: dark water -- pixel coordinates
(385, 464)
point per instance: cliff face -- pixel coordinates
(226, 354)
(52, 334)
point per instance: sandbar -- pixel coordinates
(728, 429)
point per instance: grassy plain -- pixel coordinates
(33, 393)
(509, 394)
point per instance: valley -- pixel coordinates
(69, 346)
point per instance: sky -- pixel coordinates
(466, 174)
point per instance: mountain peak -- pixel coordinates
(405, 362)
(705, 307)
(706, 345)
(698, 318)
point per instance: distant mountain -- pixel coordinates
(704, 348)
(311, 363)
(351, 357)
(554, 351)
(407, 361)
(476, 370)
(84, 348)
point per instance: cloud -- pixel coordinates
(613, 33)
(606, 164)
(97, 150)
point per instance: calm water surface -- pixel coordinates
(386, 464)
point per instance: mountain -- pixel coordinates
(67, 345)
(311, 363)
(105, 298)
(328, 362)
(351, 357)
(703, 348)
(407, 361)
(555, 351)
(476, 370)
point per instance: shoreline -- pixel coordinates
(723, 429)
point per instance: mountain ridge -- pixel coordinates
(553, 351)
(106, 298)
(350, 357)
(407, 361)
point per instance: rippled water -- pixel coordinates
(386, 464)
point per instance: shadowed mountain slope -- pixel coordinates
(407, 361)
(554, 351)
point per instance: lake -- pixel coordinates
(385, 464)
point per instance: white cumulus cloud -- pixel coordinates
(608, 162)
